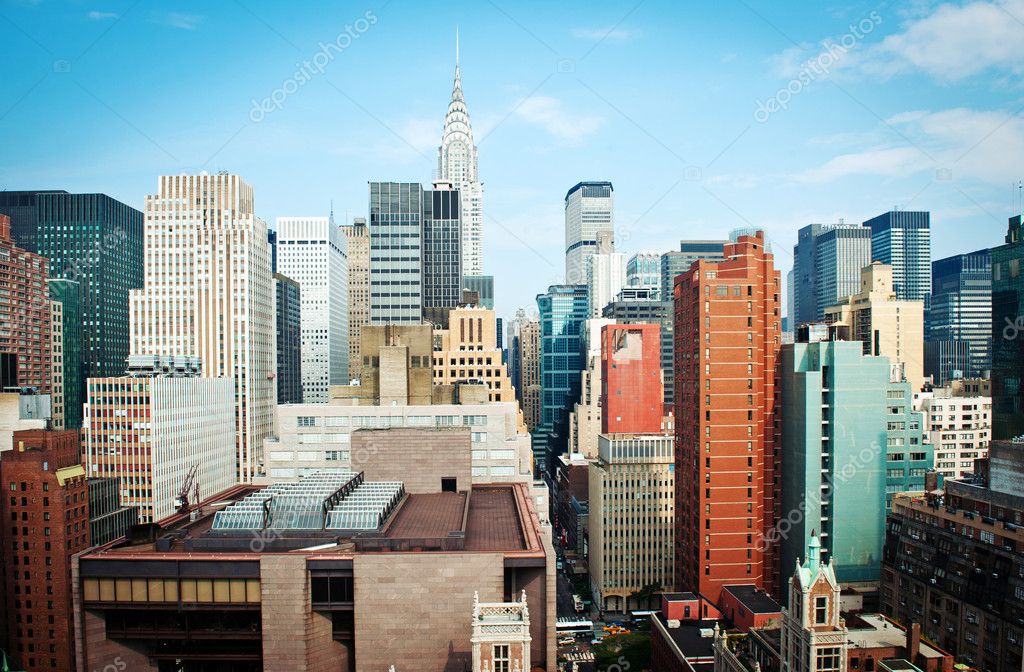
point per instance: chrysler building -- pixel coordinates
(456, 163)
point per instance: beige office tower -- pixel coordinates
(468, 350)
(57, 363)
(209, 294)
(632, 529)
(887, 326)
(529, 372)
(358, 235)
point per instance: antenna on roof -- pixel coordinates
(332, 212)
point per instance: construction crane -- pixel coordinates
(181, 502)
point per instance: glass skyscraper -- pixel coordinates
(442, 265)
(961, 310)
(68, 293)
(903, 239)
(827, 261)
(1008, 334)
(396, 249)
(563, 310)
(288, 300)
(96, 241)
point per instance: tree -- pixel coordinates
(617, 653)
(648, 592)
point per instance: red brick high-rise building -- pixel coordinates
(631, 389)
(727, 335)
(46, 521)
(25, 316)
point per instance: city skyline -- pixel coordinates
(581, 92)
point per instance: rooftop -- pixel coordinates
(757, 601)
(247, 520)
(694, 639)
(874, 631)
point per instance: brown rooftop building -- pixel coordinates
(331, 573)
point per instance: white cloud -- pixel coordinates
(598, 34)
(953, 42)
(550, 114)
(101, 16)
(978, 144)
(182, 21)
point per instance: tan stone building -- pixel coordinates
(887, 326)
(468, 350)
(331, 574)
(395, 367)
(632, 518)
(585, 419)
(358, 289)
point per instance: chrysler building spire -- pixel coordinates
(457, 163)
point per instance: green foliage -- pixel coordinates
(630, 652)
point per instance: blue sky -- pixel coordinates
(915, 104)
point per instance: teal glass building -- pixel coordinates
(834, 437)
(96, 241)
(68, 293)
(1008, 334)
(563, 310)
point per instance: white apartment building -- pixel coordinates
(209, 294)
(57, 363)
(317, 436)
(314, 253)
(149, 432)
(959, 428)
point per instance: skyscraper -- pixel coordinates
(589, 209)
(903, 239)
(563, 310)
(442, 266)
(396, 250)
(68, 294)
(1008, 334)
(727, 339)
(25, 312)
(288, 299)
(313, 252)
(834, 416)
(677, 262)
(457, 164)
(606, 273)
(886, 325)
(960, 309)
(358, 235)
(96, 241)
(209, 294)
(827, 260)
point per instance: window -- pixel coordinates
(306, 421)
(827, 659)
(502, 658)
(821, 611)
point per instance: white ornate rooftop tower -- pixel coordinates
(457, 163)
(814, 636)
(501, 636)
